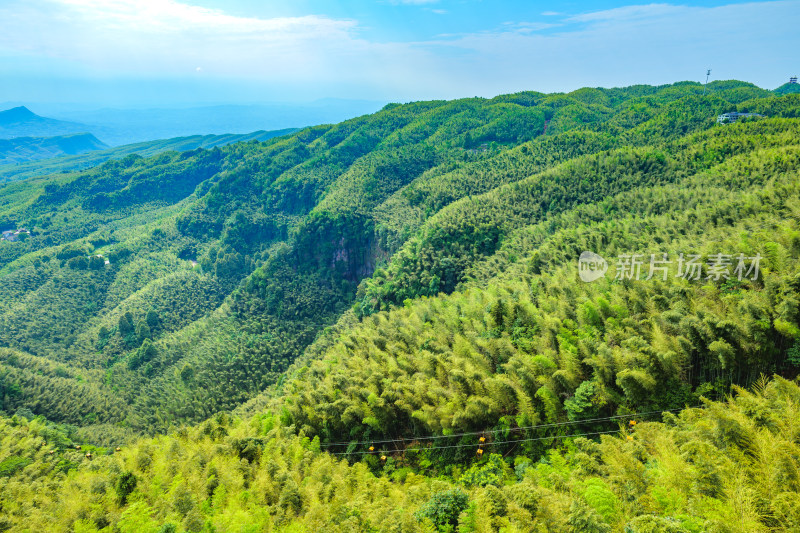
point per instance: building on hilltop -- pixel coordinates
(733, 116)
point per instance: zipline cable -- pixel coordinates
(492, 431)
(554, 437)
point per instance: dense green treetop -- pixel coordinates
(408, 280)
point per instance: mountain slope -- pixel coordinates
(788, 88)
(286, 235)
(145, 149)
(510, 346)
(392, 309)
(126, 126)
(22, 122)
(24, 149)
(686, 472)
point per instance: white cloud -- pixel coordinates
(655, 43)
(413, 2)
(170, 16)
(529, 27)
(160, 37)
(627, 13)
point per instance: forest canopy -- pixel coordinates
(380, 325)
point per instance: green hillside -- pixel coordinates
(72, 163)
(24, 149)
(379, 325)
(725, 466)
(788, 88)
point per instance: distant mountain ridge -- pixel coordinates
(16, 115)
(26, 149)
(119, 127)
(60, 163)
(22, 122)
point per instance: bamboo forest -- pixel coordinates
(537, 312)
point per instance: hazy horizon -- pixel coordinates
(194, 53)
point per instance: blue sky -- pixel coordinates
(169, 52)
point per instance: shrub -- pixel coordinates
(443, 509)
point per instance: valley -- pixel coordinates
(379, 324)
